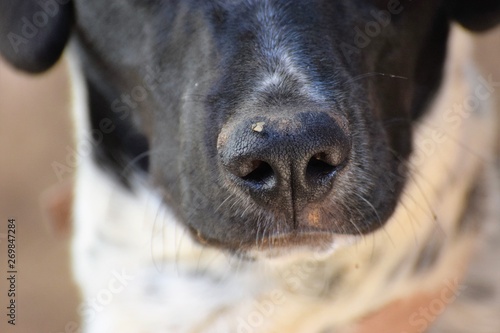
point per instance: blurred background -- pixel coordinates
(35, 132)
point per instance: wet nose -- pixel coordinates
(278, 160)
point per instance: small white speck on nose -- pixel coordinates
(258, 127)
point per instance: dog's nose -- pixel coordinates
(284, 161)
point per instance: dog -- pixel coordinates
(272, 166)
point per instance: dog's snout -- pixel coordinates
(287, 161)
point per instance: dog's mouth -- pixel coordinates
(280, 243)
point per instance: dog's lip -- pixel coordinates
(307, 238)
(278, 242)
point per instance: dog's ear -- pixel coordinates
(33, 33)
(475, 15)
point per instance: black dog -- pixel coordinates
(266, 127)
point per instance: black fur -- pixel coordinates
(33, 34)
(197, 63)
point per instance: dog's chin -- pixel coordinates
(281, 244)
(316, 245)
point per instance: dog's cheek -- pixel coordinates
(179, 150)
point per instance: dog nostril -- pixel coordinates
(283, 160)
(320, 167)
(259, 172)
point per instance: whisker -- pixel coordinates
(347, 208)
(132, 163)
(178, 246)
(378, 217)
(363, 76)
(159, 212)
(411, 219)
(412, 169)
(230, 196)
(371, 206)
